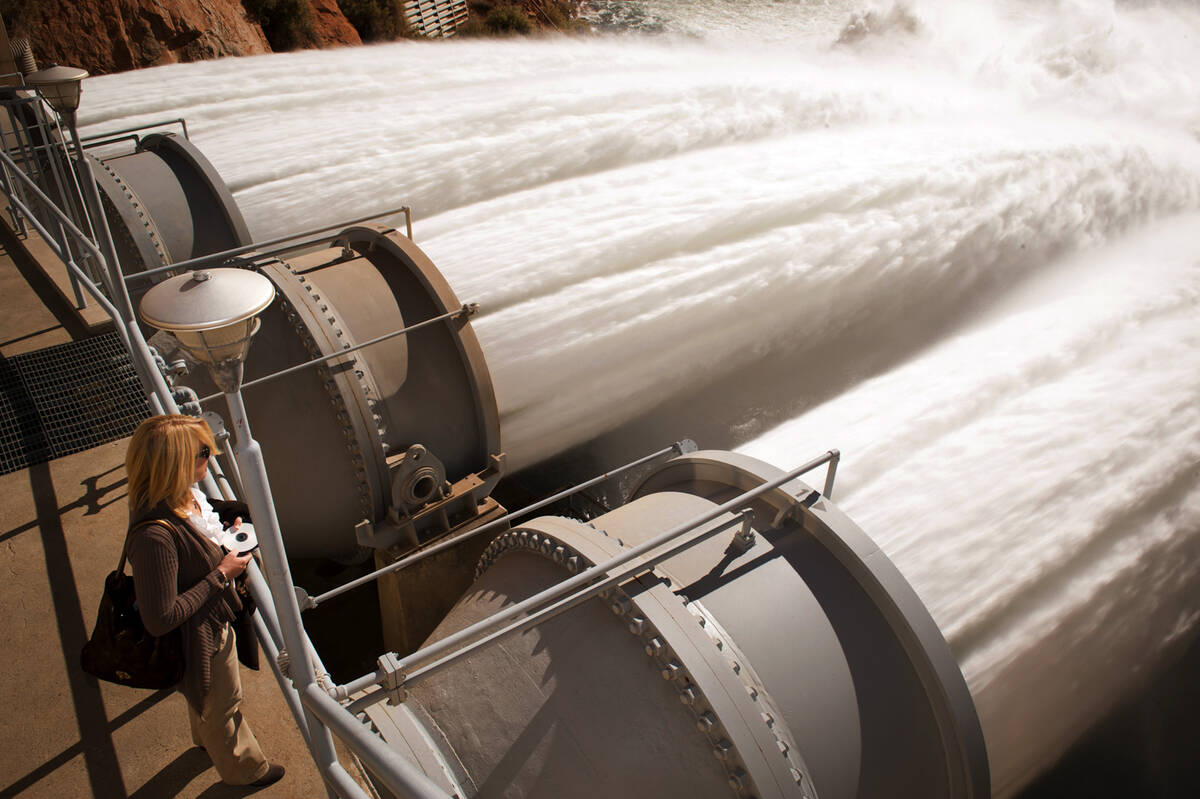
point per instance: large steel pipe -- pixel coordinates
(398, 442)
(793, 661)
(165, 203)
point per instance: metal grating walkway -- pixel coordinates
(66, 399)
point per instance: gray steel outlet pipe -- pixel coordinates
(787, 660)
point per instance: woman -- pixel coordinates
(183, 578)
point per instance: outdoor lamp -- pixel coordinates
(58, 86)
(213, 314)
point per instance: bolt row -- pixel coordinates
(336, 400)
(653, 643)
(131, 198)
(757, 693)
(540, 543)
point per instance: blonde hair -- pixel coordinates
(161, 461)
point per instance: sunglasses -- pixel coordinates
(204, 453)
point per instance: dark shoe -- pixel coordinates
(274, 774)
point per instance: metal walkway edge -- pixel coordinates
(65, 399)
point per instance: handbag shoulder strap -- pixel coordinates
(132, 530)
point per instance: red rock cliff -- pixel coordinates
(115, 35)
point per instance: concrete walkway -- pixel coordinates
(64, 734)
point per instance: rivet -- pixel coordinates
(737, 780)
(654, 647)
(706, 722)
(670, 671)
(768, 719)
(783, 747)
(637, 625)
(687, 696)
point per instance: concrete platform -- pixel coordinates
(64, 734)
(41, 297)
(26, 324)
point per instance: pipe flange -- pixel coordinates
(142, 217)
(328, 320)
(770, 713)
(636, 616)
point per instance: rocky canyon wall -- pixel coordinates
(105, 36)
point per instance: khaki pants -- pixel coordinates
(220, 729)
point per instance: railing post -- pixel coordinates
(279, 576)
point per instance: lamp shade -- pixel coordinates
(213, 313)
(58, 86)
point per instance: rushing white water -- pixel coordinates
(961, 245)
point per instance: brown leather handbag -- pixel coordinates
(120, 650)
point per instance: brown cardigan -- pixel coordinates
(177, 582)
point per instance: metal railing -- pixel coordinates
(262, 249)
(131, 134)
(43, 154)
(396, 674)
(388, 766)
(470, 309)
(308, 603)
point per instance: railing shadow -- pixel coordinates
(97, 748)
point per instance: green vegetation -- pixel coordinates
(521, 17)
(504, 20)
(375, 20)
(287, 24)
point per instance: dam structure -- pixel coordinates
(957, 244)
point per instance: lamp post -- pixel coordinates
(61, 87)
(213, 314)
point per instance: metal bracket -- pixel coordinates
(364, 533)
(284, 661)
(743, 539)
(393, 678)
(217, 425)
(186, 399)
(303, 599)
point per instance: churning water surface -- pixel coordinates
(960, 242)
